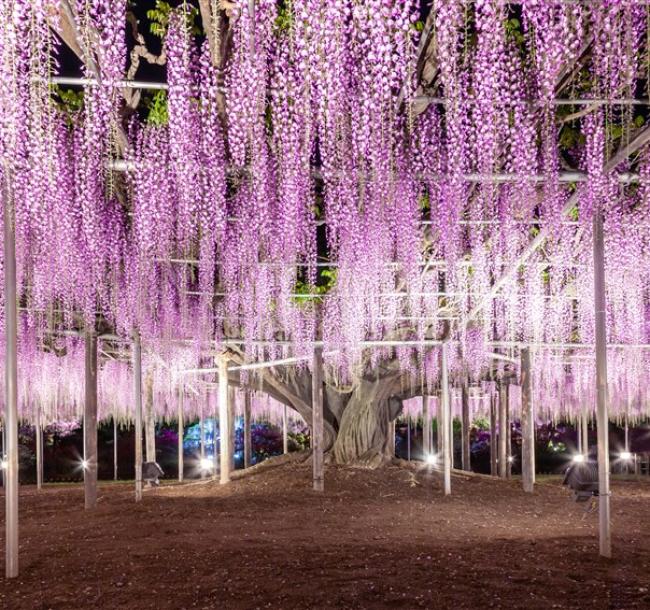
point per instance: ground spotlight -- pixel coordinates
(85, 464)
(432, 459)
(625, 455)
(206, 464)
(578, 458)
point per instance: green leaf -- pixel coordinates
(158, 114)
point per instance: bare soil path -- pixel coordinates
(383, 539)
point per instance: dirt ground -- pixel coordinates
(379, 539)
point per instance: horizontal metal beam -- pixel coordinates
(630, 101)
(566, 177)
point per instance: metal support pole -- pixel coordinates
(11, 386)
(584, 422)
(137, 392)
(317, 419)
(426, 427)
(248, 446)
(202, 444)
(493, 436)
(408, 438)
(465, 426)
(38, 432)
(150, 423)
(503, 431)
(90, 422)
(114, 448)
(527, 424)
(285, 436)
(509, 457)
(600, 312)
(231, 427)
(181, 435)
(444, 420)
(224, 424)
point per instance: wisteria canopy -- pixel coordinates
(372, 175)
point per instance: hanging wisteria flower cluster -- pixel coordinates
(294, 195)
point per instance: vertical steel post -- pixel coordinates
(426, 427)
(181, 435)
(600, 306)
(224, 423)
(527, 424)
(114, 448)
(465, 425)
(90, 422)
(493, 435)
(317, 419)
(38, 431)
(137, 396)
(285, 431)
(444, 420)
(408, 438)
(248, 447)
(11, 385)
(503, 430)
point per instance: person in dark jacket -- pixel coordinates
(151, 472)
(582, 478)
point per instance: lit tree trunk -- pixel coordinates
(363, 437)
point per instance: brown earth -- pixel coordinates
(378, 539)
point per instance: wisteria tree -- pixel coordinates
(370, 174)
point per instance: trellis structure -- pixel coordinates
(460, 239)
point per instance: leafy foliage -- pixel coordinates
(157, 107)
(159, 18)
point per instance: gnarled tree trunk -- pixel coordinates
(363, 436)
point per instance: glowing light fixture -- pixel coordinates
(625, 455)
(4, 464)
(85, 464)
(578, 458)
(432, 459)
(206, 464)
(511, 458)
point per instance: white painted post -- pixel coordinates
(231, 426)
(493, 436)
(248, 446)
(503, 431)
(11, 384)
(465, 427)
(584, 422)
(224, 424)
(90, 422)
(444, 420)
(38, 431)
(527, 424)
(181, 434)
(202, 443)
(317, 419)
(391, 437)
(602, 415)
(114, 448)
(137, 392)
(285, 436)
(426, 427)
(408, 438)
(150, 422)
(508, 442)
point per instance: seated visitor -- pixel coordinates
(151, 472)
